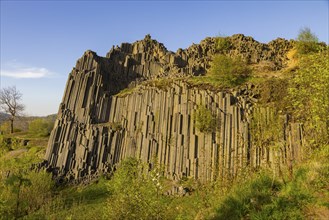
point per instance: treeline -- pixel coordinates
(37, 126)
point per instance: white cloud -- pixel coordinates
(26, 73)
(18, 71)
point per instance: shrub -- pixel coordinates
(223, 44)
(24, 192)
(135, 194)
(40, 127)
(204, 120)
(308, 93)
(273, 90)
(230, 71)
(5, 127)
(39, 191)
(265, 66)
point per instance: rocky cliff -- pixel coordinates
(99, 124)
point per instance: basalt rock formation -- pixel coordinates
(99, 124)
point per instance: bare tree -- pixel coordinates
(10, 102)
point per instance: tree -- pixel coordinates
(307, 42)
(10, 102)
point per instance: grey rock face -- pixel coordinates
(96, 128)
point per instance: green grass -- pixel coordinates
(205, 81)
(126, 91)
(260, 195)
(75, 202)
(210, 82)
(299, 196)
(302, 194)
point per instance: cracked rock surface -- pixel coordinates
(96, 127)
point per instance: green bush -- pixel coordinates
(204, 120)
(40, 127)
(4, 145)
(308, 93)
(273, 90)
(223, 44)
(135, 194)
(230, 71)
(24, 192)
(5, 127)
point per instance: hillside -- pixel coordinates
(230, 128)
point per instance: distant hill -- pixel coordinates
(22, 122)
(3, 116)
(51, 117)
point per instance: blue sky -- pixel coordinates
(41, 40)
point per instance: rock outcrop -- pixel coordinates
(98, 126)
